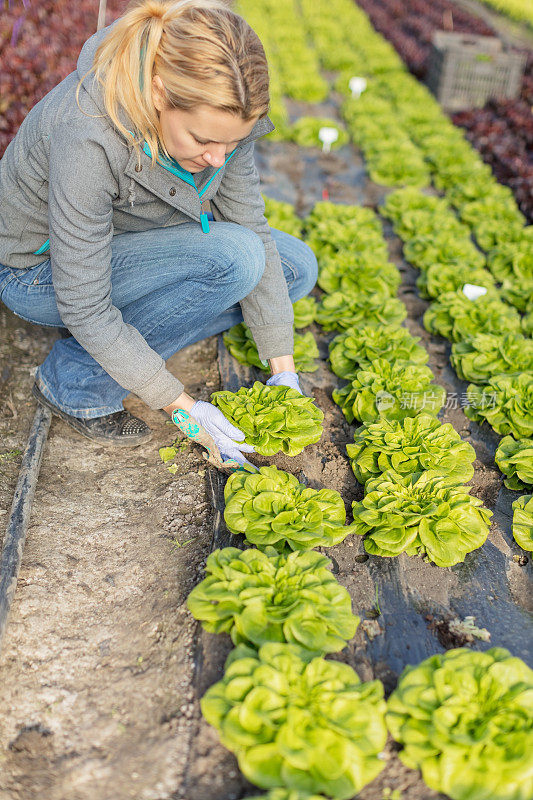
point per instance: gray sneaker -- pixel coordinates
(119, 429)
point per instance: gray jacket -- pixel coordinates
(72, 179)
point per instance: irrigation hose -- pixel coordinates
(19, 517)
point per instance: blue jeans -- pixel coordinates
(149, 271)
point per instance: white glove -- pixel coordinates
(228, 438)
(289, 379)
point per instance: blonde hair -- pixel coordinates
(203, 52)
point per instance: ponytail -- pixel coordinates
(204, 53)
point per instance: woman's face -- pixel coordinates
(200, 138)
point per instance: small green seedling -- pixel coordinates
(178, 545)
(11, 455)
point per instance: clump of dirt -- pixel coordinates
(447, 638)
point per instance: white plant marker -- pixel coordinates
(327, 136)
(472, 291)
(357, 86)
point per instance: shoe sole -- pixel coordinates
(57, 412)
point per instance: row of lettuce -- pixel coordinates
(389, 382)
(300, 724)
(488, 345)
(421, 146)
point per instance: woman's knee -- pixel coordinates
(243, 253)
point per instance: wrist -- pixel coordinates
(281, 364)
(184, 401)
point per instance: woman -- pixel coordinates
(106, 180)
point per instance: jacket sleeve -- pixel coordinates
(267, 310)
(80, 214)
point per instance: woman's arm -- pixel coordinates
(80, 211)
(282, 364)
(267, 310)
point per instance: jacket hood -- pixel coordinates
(85, 62)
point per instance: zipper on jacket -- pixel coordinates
(44, 248)
(171, 165)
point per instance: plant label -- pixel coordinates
(472, 291)
(327, 136)
(357, 86)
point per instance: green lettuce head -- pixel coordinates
(401, 205)
(440, 278)
(259, 597)
(304, 311)
(466, 721)
(273, 418)
(339, 311)
(336, 229)
(355, 275)
(420, 514)
(513, 260)
(505, 402)
(356, 348)
(494, 220)
(422, 222)
(243, 348)
(282, 217)
(487, 354)
(474, 188)
(413, 444)
(456, 317)
(399, 164)
(305, 725)
(515, 459)
(390, 391)
(517, 294)
(327, 214)
(512, 264)
(270, 507)
(442, 248)
(523, 521)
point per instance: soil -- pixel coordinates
(97, 662)
(102, 666)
